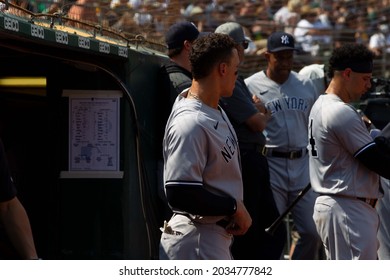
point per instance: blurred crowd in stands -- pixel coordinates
(317, 25)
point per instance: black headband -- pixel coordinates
(356, 66)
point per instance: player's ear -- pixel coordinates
(187, 45)
(347, 73)
(223, 68)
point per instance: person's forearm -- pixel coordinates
(18, 228)
(199, 201)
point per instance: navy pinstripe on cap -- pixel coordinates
(179, 32)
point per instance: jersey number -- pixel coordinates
(312, 141)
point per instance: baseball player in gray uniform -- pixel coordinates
(289, 97)
(202, 173)
(345, 161)
(383, 209)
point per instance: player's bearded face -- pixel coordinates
(282, 61)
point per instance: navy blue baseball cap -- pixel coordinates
(179, 32)
(280, 41)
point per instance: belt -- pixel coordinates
(222, 223)
(290, 155)
(371, 201)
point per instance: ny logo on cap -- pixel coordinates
(284, 40)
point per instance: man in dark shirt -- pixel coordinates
(249, 120)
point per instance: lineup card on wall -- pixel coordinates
(94, 130)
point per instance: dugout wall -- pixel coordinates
(80, 211)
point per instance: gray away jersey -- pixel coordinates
(290, 104)
(200, 148)
(337, 132)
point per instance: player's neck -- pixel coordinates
(204, 93)
(279, 78)
(182, 60)
(338, 90)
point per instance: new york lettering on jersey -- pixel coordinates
(287, 103)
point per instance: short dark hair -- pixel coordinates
(209, 50)
(349, 55)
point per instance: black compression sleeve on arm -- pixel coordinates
(383, 143)
(375, 158)
(199, 201)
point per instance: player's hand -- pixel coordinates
(241, 220)
(367, 122)
(261, 107)
(255, 99)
